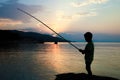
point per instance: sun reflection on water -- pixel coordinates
(59, 60)
(52, 59)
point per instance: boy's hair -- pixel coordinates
(88, 35)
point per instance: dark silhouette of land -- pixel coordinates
(19, 36)
(81, 76)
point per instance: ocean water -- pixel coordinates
(43, 61)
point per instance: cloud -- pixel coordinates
(85, 14)
(67, 17)
(98, 1)
(88, 2)
(9, 22)
(62, 16)
(79, 4)
(9, 10)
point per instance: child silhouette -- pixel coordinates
(88, 51)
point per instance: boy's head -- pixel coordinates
(88, 36)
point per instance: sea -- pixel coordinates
(35, 61)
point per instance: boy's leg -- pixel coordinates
(88, 68)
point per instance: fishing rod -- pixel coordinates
(47, 27)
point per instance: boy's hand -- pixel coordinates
(82, 51)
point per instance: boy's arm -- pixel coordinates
(84, 51)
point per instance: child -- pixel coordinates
(89, 52)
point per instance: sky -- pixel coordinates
(64, 16)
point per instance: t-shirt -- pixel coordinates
(89, 52)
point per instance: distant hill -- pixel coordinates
(97, 37)
(15, 36)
